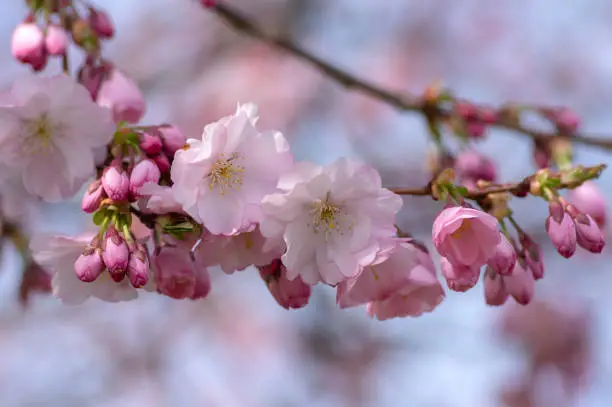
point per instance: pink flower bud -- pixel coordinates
(122, 96)
(116, 183)
(562, 234)
(162, 162)
(475, 130)
(494, 288)
(173, 139)
(589, 199)
(115, 254)
(91, 76)
(556, 211)
(28, 45)
(290, 294)
(145, 171)
(151, 144)
(201, 289)
(101, 23)
(588, 234)
(208, 3)
(504, 258)
(175, 273)
(89, 266)
(459, 277)
(56, 40)
(520, 284)
(541, 158)
(566, 119)
(93, 197)
(470, 165)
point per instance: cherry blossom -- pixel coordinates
(49, 134)
(221, 179)
(334, 220)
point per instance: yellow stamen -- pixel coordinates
(462, 230)
(226, 174)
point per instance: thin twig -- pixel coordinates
(243, 24)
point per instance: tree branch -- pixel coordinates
(243, 24)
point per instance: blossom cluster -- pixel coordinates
(170, 208)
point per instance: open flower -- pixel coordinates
(49, 133)
(58, 254)
(334, 220)
(221, 179)
(403, 284)
(465, 236)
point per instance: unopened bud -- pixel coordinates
(162, 162)
(494, 289)
(28, 45)
(89, 265)
(151, 144)
(588, 234)
(504, 258)
(93, 197)
(138, 268)
(116, 183)
(101, 23)
(144, 172)
(520, 285)
(56, 40)
(115, 254)
(562, 234)
(173, 139)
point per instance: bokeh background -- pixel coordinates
(238, 348)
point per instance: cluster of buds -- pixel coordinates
(160, 143)
(33, 44)
(115, 251)
(568, 227)
(473, 119)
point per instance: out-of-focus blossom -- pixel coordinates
(49, 134)
(221, 179)
(56, 40)
(334, 220)
(473, 166)
(28, 45)
(290, 294)
(589, 199)
(122, 96)
(177, 276)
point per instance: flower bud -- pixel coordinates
(589, 199)
(494, 288)
(475, 130)
(588, 234)
(138, 268)
(562, 234)
(520, 284)
(101, 23)
(458, 277)
(93, 197)
(56, 40)
(89, 266)
(115, 254)
(91, 76)
(504, 258)
(173, 139)
(162, 162)
(116, 183)
(556, 211)
(471, 165)
(175, 273)
(84, 36)
(28, 45)
(289, 294)
(201, 289)
(151, 144)
(122, 96)
(145, 171)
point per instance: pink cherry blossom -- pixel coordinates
(334, 220)
(56, 40)
(520, 284)
(233, 253)
(405, 279)
(290, 294)
(221, 179)
(465, 236)
(122, 96)
(49, 134)
(495, 290)
(58, 254)
(177, 276)
(504, 258)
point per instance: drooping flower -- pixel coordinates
(458, 276)
(465, 236)
(520, 284)
(334, 220)
(177, 276)
(221, 179)
(504, 258)
(58, 254)
(290, 294)
(403, 283)
(234, 253)
(562, 234)
(49, 133)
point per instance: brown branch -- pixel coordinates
(519, 189)
(243, 24)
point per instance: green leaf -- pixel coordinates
(463, 191)
(99, 216)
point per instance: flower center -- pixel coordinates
(329, 217)
(38, 139)
(226, 173)
(462, 230)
